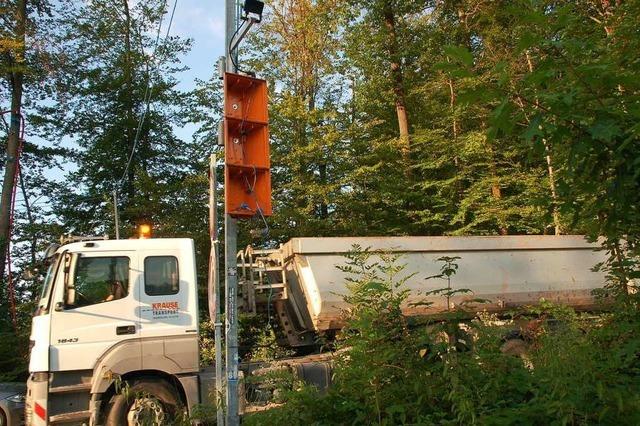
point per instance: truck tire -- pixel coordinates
(146, 402)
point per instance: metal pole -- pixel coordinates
(230, 28)
(239, 35)
(230, 282)
(231, 315)
(115, 214)
(215, 314)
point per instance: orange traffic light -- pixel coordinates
(246, 146)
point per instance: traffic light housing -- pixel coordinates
(246, 146)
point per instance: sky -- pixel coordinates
(202, 21)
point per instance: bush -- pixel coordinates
(577, 369)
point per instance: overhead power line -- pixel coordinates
(147, 93)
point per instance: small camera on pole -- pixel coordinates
(253, 10)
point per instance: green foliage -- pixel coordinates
(523, 119)
(259, 340)
(14, 359)
(268, 346)
(575, 100)
(339, 165)
(87, 69)
(206, 343)
(96, 102)
(576, 370)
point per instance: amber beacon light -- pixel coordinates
(246, 143)
(144, 230)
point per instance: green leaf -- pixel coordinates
(459, 54)
(533, 130)
(605, 130)
(527, 40)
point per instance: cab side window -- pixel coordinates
(161, 275)
(98, 280)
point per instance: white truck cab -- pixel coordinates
(114, 311)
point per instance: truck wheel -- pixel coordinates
(147, 402)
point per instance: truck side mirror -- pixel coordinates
(69, 296)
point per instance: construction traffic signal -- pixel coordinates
(246, 146)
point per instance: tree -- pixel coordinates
(479, 183)
(298, 48)
(117, 100)
(25, 54)
(578, 99)
(377, 59)
(14, 29)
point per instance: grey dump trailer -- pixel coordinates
(303, 283)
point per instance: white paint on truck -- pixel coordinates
(80, 336)
(113, 308)
(508, 271)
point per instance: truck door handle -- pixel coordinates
(125, 329)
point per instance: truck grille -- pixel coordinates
(28, 414)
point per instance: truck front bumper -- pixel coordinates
(36, 403)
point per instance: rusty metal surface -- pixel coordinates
(509, 271)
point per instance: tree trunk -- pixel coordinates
(397, 81)
(455, 131)
(13, 142)
(552, 187)
(550, 170)
(324, 208)
(452, 106)
(496, 191)
(322, 163)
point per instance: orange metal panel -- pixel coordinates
(246, 191)
(245, 98)
(247, 173)
(246, 143)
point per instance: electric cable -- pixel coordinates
(27, 205)
(264, 220)
(244, 120)
(236, 67)
(255, 199)
(16, 174)
(251, 188)
(147, 93)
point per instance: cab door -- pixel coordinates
(95, 307)
(168, 315)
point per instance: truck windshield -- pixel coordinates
(48, 282)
